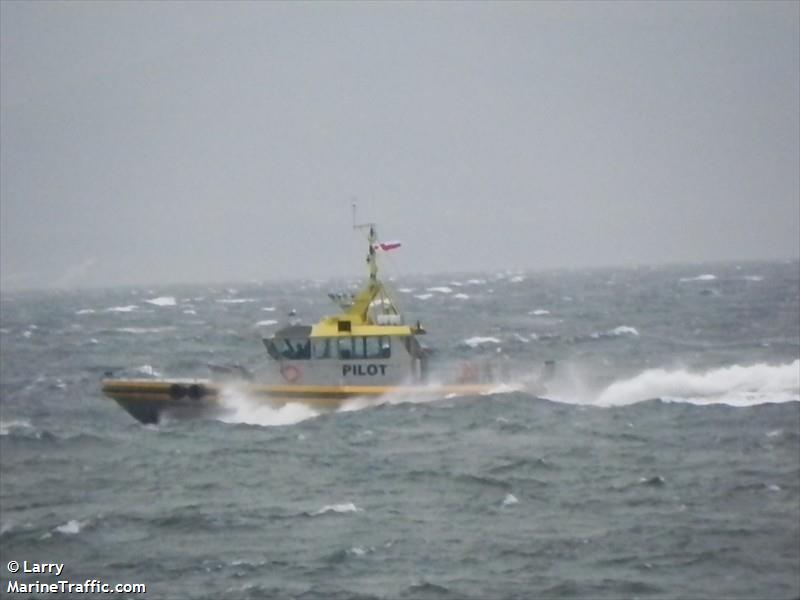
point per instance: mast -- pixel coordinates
(373, 264)
(356, 308)
(372, 238)
(374, 288)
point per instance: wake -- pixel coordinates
(736, 385)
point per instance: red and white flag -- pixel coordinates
(386, 246)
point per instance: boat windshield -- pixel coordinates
(358, 347)
(289, 349)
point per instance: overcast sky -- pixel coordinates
(161, 142)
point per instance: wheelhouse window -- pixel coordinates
(303, 349)
(345, 348)
(321, 348)
(367, 347)
(294, 349)
(378, 347)
(359, 347)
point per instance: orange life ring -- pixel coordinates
(291, 373)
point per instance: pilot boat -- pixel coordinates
(367, 351)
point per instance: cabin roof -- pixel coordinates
(325, 329)
(294, 331)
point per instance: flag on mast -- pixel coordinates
(386, 246)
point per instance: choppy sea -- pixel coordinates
(663, 461)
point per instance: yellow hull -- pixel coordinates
(147, 400)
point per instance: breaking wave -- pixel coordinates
(8, 427)
(141, 330)
(622, 330)
(148, 370)
(337, 508)
(239, 408)
(236, 300)
(162, 301)
(478, 340)
(122, 309)
(266, 323)
(704, 277)
(510, 500)
(70, 527)
(735, 386)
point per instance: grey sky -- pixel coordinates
(170, 142)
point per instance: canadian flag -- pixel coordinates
(386, 246)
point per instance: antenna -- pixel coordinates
(372, 237)
(357, 225)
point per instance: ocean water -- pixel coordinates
(663, 461)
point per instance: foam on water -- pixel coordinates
(6, 427)
(620, 331)
(477, 340)
(148, 370)
(162, 301)
(423, 394)
(735, 386)
(428, 394)
(240, 408)
(505, 388)
(141, 330)
(704, 277)
(122, 309)
(71, 527)
(347, 507)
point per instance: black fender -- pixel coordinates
(176, 392)
(196, 392)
